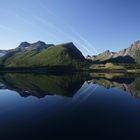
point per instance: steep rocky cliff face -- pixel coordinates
(130, 51)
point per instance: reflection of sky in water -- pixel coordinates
(91, 105)
(11, 101)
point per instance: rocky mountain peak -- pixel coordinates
(107, 51)
(39, 43)
(137, 42)
(135, 45)
(24, 44)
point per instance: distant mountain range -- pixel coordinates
(41, 54)
(128, 55)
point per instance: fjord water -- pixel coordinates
(39, 106)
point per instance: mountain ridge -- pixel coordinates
(40, 54)
(130, 54)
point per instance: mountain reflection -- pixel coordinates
(41, 85)
(127, 82)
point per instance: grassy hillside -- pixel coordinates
(65, 55)
(114, 66)
(103, 56)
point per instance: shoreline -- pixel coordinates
(63, 69)
(115, 70)
(48, 69)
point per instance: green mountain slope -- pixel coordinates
(103, 56)
(64, 54)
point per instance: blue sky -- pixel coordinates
(93, 25)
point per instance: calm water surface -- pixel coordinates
(100, 106)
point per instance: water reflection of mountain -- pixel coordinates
(40, 85)
(129, 83)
